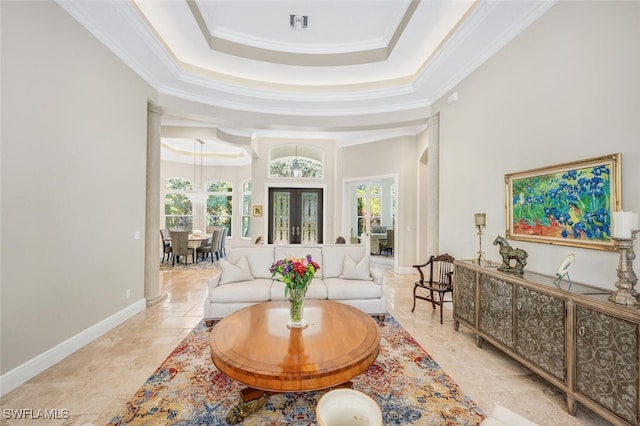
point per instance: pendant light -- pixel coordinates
(297, 171)
(197, 196)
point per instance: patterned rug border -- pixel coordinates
(405, 381)
(203, 264)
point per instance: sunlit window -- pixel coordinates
(178, 210)
(296, 161)
(246, 209)
(368, 200)
(220, 204)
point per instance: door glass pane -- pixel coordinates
(309, 217)
(281, 218)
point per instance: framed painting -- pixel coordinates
(257, 210)
(569, 204)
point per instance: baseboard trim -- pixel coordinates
(25, 372)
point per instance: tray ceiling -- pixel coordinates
(361, 71)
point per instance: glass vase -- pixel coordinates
(296, 308)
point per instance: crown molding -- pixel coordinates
(122, 29)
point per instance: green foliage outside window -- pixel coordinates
(283, 167)
(220, 205)
(372, 194)
(219, 186)
(246, 214)
(178, 210)
(178, 184)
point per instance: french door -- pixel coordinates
(295, 216)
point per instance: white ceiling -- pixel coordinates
(363, 70)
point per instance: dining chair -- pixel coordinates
(222, 251)
(166, 243)
(180, 246)
(439, 280)
(388, 246)
(375, 244)
(211, 248)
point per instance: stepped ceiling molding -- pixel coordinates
(362, 70)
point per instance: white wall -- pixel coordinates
(390, 158)
(262, 182)
(565, 89)
(73, 183)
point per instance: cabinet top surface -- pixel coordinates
(540, 279)
(581, 293)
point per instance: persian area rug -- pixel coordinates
(408, 385)
(202, 264)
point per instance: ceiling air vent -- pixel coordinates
(298, 22)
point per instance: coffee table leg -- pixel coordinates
(251, 400)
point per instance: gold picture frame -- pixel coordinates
(257, 210)
(568, 204)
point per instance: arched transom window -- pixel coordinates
(296, 161)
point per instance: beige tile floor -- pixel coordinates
(94, 383)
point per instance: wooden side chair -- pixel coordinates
(439, 280)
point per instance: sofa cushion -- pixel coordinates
(233, 273)
(260, 258)
(355, 271)
(339, 289)
(316, 290)
(254, 291)
(333, 257)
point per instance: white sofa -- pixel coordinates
(245, 279)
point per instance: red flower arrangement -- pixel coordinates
(295, 272)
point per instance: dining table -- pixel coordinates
(195, 241)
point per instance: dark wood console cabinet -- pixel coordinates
(576, 339)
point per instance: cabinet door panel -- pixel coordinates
(496, 309)
(464, 303)
(540, 330)
(607, 362)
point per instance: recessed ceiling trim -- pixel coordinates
(204, 154)
(121, 28)
(331, 109)
(232, 43)
(361, 91)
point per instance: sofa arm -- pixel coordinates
(214, 281)
(377, 278)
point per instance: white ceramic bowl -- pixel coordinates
(347, 407)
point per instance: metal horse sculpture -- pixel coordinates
(509, 253)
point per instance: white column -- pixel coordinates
(152, 219)
(433, 185)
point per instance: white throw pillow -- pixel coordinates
(353, 271)
(231, 273)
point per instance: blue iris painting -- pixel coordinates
(572, 204)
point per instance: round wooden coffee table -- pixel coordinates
(255, 347)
